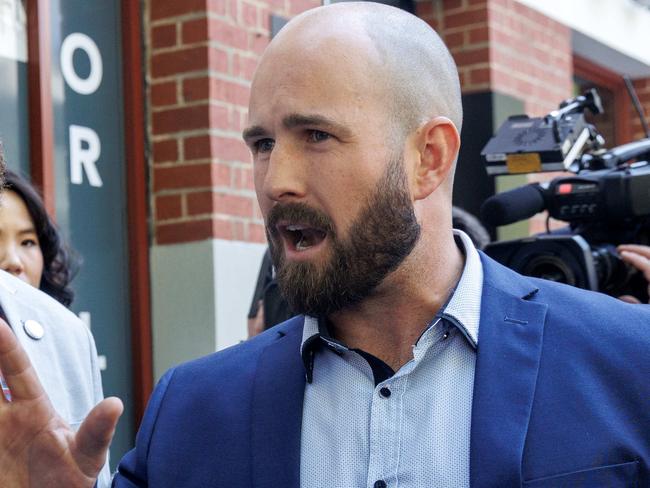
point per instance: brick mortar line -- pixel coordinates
(175, 19)
(200, 162)
(183, 163)
(192, 74)
(194, 103)
(463, 28)
(238, 22)
(545, 102)
(213, 216)
(167, 192)
(222, 190)
(465, 8)
(548, 67)
(183, 190)
(202, 217)
(206, 43)
(197, 132)
(516, 36)
(529, 74)
(223, 77)
(469, 45)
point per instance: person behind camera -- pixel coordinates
(416, 361)
(59, 346)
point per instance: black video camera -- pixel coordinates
(606, 202)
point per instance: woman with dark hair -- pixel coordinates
(31, 247)
(45, 347)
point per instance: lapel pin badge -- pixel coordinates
(33, 329)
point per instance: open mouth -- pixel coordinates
(301, 237)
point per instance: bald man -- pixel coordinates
(417, 361)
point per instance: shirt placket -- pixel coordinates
(386, 416)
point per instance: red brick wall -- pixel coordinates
(201, 55)
(504, 46)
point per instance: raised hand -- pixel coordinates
(639, 257)
(37, 447)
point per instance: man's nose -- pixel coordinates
(11, 261)
(285, 177)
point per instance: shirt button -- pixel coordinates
(380, 484)
(385, 392)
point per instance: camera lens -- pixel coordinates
(550, 267)
(613, 273)
(563, 258)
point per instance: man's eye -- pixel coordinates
(264, 145)
(318, 136)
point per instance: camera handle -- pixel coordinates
(618, 155)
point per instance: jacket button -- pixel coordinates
(380, 484)
(385, 392)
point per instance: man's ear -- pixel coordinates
(438, 143)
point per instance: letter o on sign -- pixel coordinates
(83, 86)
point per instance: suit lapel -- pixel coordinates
(277, 411)
(509, 348)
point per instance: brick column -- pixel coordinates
(208, 232)
(201, 58)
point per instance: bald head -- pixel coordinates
(404, 56)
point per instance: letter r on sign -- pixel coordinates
(85, 149)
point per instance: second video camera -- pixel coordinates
(605, 204)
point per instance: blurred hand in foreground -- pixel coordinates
(638, 256)
(37, 447)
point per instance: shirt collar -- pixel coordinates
(462, 309)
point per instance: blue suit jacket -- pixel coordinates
(561, 398)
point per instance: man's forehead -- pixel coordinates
(311, 87)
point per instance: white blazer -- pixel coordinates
(65, 358)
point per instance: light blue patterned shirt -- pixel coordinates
(410, 430)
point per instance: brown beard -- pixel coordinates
(381, 236)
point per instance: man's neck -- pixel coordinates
(388, 323)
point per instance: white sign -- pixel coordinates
(85, 149)
(85, 145)
(83, 86)
(13, 30)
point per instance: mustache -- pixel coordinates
(298, 213)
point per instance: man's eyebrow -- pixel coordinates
(293, 121)
(300, 120)
(252, 132)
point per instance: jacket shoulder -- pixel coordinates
(21, 299)
(587, 313)
(241, 359)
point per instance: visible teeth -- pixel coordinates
(301, 245)
(296, 227)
